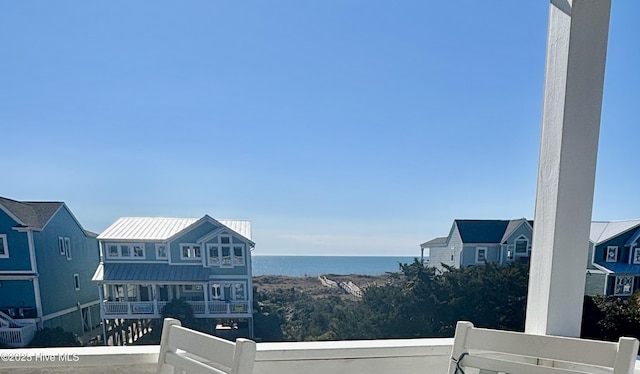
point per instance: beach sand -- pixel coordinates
(314, 287)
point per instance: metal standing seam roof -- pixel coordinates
(162, 228)
(619, 268)
(603, 231)
(147, 272)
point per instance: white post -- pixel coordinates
(574, 78)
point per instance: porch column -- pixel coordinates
(205, 290)
(574, 78)
(155, 293)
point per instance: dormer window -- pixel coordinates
(612, 254)
(636, 255)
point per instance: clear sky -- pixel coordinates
(336, 127)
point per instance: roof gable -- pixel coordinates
(33, 214)
(512, 227)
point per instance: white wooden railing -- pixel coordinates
(151, 309)
(15, 333)
(402, 356)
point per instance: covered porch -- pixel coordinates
(146, 300)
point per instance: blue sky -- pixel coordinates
(336, 127)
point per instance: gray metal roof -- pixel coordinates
(162, 228)
(34, 214)
(435, 242)
(603, 231)
(146, 272)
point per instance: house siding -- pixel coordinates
(594, 283)
(439, 255)
(17, 293)
(618, 241)
(18, 244)
(57, 289)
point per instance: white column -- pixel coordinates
(574, 77)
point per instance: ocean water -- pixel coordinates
(299, 266)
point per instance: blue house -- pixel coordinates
(46, 262)
(614, 252)
(475, 242)
(149, 261)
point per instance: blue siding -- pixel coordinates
(18, 245)
(619, 241)
(17, 293)
(57, 289)
(191, 237)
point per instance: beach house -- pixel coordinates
(474, 242)
(614, 254)
(146, 262)
(46, 262)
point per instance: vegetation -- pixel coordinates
(426, 303)
(422, 303)
(55, 337)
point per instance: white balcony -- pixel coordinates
(404, 356)
(151, 309)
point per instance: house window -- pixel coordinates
(64, 246)
(76, 281)
(238, 255)
(161, 251)
(216, 293)
(481, 254)
(4, 246)
(125, 251)
(189, 251)
(112, 250)
(238, 291)
(522, 245)
(636, 255)
(452, 255)
(612, 254)
(61, 245)
(214, 254)
(510, 252)
(138, 251)
(67, 248)
(226, 256)
(623, 286)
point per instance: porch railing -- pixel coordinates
(150, 308)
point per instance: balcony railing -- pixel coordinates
(352, 357)
(403, 356)
(124, 309)
(15, 333)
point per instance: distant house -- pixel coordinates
(148, 262)
(614, 252)
(475, 242)
(46, 262)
